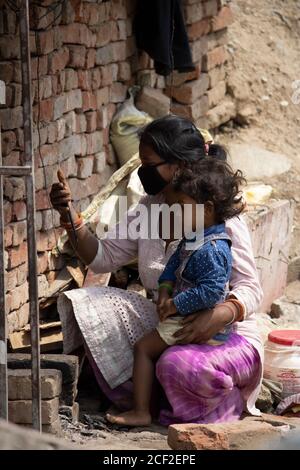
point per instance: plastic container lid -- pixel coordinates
(287, 337)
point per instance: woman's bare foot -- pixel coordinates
(130, 418)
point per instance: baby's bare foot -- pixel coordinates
(130, 418)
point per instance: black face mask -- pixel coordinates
(152, 181)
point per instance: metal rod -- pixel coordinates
(31, 234)
(15, 170)
(3, 344)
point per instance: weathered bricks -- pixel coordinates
(214, 58)
(67, 364)
(81, 69)
(153, 102)
(20, 384)
(249, 433)
(20, 411)
(189, 92)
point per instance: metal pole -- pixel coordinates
(31, 235)
(3, 347)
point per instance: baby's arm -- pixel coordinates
(212, 271)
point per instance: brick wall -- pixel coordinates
(85, 62)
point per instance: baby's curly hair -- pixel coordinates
(210, 179)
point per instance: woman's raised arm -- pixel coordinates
(106, 255)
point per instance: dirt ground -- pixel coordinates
(264, 47)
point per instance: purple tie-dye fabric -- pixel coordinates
(203, 383)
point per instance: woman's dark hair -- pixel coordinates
(212, 180)
(176, 138)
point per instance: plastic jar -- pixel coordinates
(282, 360)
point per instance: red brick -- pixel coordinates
(192, 111)
(19, 232)
(14, 188)
(89, 101)
(189, 92)
(22, 273)
(218, 38)
(9, 47)
(11, 118)
(104, 34)
(210, 8)
(77, 56)
(102, 96)
(214, 58)
(249, 433)
(69, 168)
(194, 13)
(216, 94)
(59, 106)
(96, 79)
(85, 167)
(104, 55)
(84, 80)
(114, 31)
(224, 18)
(122, 28)
(102, 115)
(17, 256)
(19, 210)
(94, 142)
(80, 123)
(71, 79)
(117, 92)
(106, 136)
(11, 279)
(13, 159)
(42, 262)
(124, 71)
(70, 119)
(46, 110)
(107, 75)
(9, 142)
(216, 75)
(153, 102)
(144, 61)
(77, 34)
(45, 240)
(73, 100)
(199, 48)
(20, 411)
(7, 212)
(48, 154)
(42, 200)
(19, 296)
(99, 162)
(91, 121)
(80, 188)
(130, 46)
(40, 63)
(7, 236)
(90, 58)
(45, 42)
(120, 50)
(118, 9)
(58, 60)
(47, 219)
(180, 78)
(198, 29)
(6, 71)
